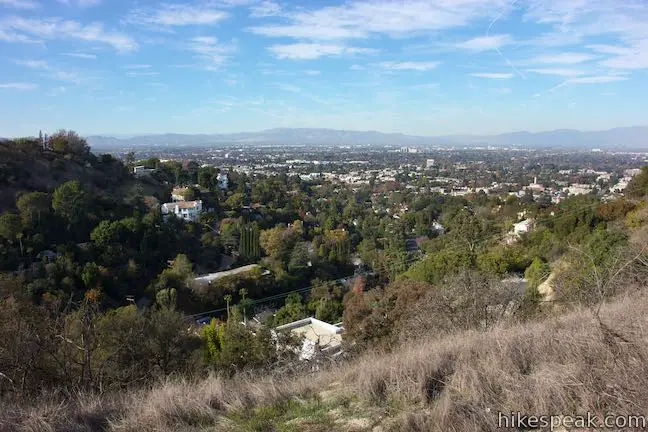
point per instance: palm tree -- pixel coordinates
(228, 299)
(243, 293)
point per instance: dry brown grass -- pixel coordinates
(566, 365)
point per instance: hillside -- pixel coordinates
(26, 167)
(570, 364)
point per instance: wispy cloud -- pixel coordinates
(211, 51)
(309, 51)
(84, 56)
(33, 64)
(626, 57)
(408, 65)
(599, 79)
(485, 43)
(51, 71)
(327, 31)
(137, 66)
(20, 4)
(176, 14)
(563, 58)
(142, 74)
(494, 75)
(360, 19)
(557, 72)
(265, 9)
(57, 28)
(18, 86)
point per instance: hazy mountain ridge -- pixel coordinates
(635, 137)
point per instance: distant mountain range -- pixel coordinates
(627, 138)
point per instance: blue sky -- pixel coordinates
(419, 67)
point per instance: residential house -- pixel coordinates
(523, 227)
(319, 337)
(187, 210)
(141, 170)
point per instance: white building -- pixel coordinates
(319, 336)
(523, 227)
(141, 170)
(429, 163)
(187, 210)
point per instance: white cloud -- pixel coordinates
(52, 72)
(210, 50)
(142, 74)
(632, 57)
(12, 36)
(18, 86)
(485, 43)
(58, 28)
(600, 79)
(309, 51)
(409, 65)
(492, 75)
(176, 14)
(265, 9)
(577, 20)
(312, 72)
(360, 19)
(72, 77)
(557, 72)
(33, 64)
(137, 66)
(20, 4)
(80, 55)
(563, 58)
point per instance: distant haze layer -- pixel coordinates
(628, 138)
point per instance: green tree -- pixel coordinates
(249, 244)
(638, 186)
(166, 298)
(537, 272)
(293, 310)
(299, 257)
(106, 233)
(91, 275)
(70, 202)
(33, 207)
(278, 242)
(11, 228)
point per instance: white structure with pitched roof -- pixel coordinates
(187, 210)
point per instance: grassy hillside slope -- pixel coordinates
(570, 364)
(26, 167)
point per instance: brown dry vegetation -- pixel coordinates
(564, 365)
